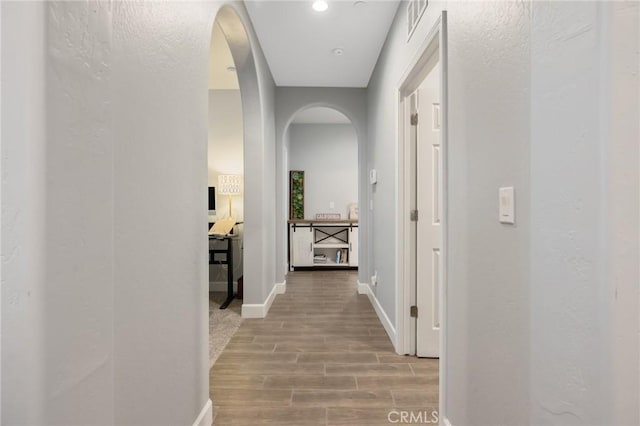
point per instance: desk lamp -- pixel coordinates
(230, 185)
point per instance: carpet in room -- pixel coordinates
(223, 324)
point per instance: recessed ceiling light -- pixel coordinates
(359, 3)
(338, 51)
(320, 5)
(231, 68)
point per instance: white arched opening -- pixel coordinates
(353, 104)
(321, 140)
(247, 206)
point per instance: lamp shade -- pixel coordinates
(229, 184)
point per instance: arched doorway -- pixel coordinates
(235, 127)
(353, 104)
(321, 142)
(225, 162)
(242, 76)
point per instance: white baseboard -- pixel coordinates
(382, 315)
(260, 310)
(280, 288)
(221, 286)
(205, 418)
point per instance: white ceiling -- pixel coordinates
(298, 42)
(320, 115)
(219, 59)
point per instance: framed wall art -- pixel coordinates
(296, 194)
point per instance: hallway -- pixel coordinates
(521, 212)
(321, 357)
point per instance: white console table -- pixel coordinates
(316, 243)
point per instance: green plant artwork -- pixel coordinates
(296, 194)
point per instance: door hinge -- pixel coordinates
(414, 215)
(414, 119)
(414, 312)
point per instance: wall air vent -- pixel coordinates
(415, 10)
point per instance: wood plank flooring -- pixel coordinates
(321, 357)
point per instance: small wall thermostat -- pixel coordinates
(507, 205)
(373, 176)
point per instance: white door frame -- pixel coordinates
(435, 43)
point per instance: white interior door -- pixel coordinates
(429, 206)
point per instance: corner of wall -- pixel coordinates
(365, 289)
(260, 310)
(205, 418)
(446, 421)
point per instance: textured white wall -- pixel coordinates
(489, 77)
(159, 276)
(165, 66)
(104, 206)
(622, 54)
(570, 361)
(353, 104)
(23, 212)
(328, 154)
(534, 326)
(584, 206)
(488, 148)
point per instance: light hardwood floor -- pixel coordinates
(321, 357)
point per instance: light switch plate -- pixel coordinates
(507, 209)
(373, 176)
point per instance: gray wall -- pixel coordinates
(584, 213)
(328, 154)
(104, 307)
(353, 104)
(622, 149)
(23, 213)
(488, 148)
(532, 308)
(488, 312)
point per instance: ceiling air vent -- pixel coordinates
(415, 10)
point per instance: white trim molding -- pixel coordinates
(445, 421)
(205, 418)
(382, 315)
(434, 44)
(260, 310)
